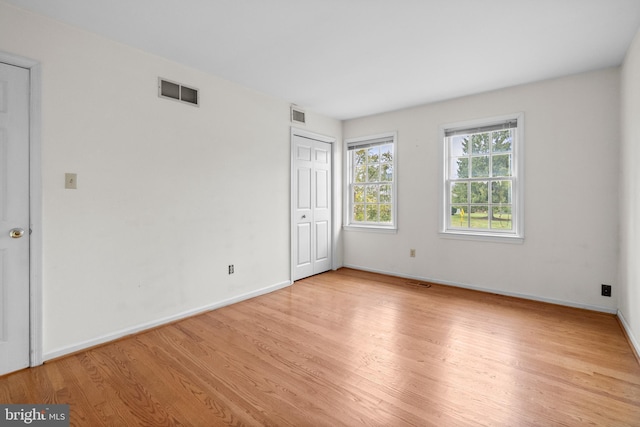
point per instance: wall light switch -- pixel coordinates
(71, 181)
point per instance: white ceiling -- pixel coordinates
(350, 58)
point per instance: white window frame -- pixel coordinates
(516, 235)
(349, 144)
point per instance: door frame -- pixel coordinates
(322, 138)
(35, 202)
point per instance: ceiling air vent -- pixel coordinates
(298, 115)
(171, 90)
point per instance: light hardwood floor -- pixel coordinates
(350, 348)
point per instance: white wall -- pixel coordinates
(168, 194)
(571, 181)
(630, 194)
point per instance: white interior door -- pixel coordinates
(14, 218)
(311, 201)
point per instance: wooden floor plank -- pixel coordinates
(352, 348)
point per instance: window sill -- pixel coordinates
(497, 238)
(371, 228)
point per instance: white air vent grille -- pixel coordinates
(298, 115)
(171, 90)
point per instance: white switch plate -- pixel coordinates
(71, 181)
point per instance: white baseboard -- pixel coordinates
(490, 290)
(159, 322)
(632, 339)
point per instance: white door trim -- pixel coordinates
(35, 202)
(322, 138)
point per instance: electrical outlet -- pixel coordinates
(70, 181)
(231, 269)
(412, 253)
(606, 290)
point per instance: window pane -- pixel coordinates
(373, 155)
(386, 172)
(385, 194)
(501, 165)
(480, 143)
(358, 212)
(501, 192)
(479, 192)
(358, 194)
(459, 145)
(373, 173)
(371, 194)
(360, 174)
(479, 217)
(386, 153)
(359, 157)
(385, 213)
(480, 167)
(459, 192)
(502, 141)
(459, 167)
(459, 217)
(372, 213)
(501, 218)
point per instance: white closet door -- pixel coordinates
(311, 199)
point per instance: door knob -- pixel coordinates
(16, 233)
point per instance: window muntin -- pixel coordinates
(481, 184)
(371, 182)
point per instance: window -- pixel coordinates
(482, 185)
(371, 179)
